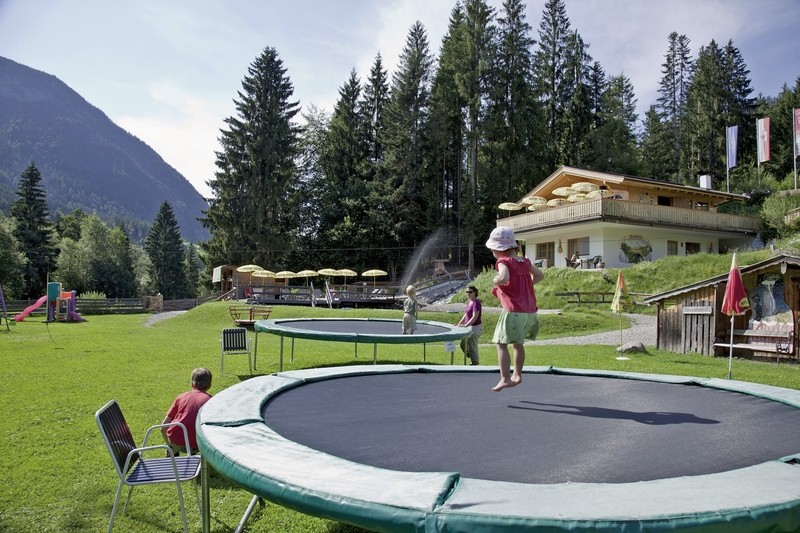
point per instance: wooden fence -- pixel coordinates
(90, 306)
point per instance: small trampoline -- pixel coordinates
(430, 449)
(359, 330)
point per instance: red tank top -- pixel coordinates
(517, 296)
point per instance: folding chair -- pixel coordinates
(234, 341)
(132, 467)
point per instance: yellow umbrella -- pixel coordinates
(327, 272)
(284, 274)
(249, 269)
(306, 274)
(346, 273)
(555, 202)
(577, 197)
(564, 191)
(263, 273)
(602, 193)
(585, 186)
(374, 273)
(534, 201)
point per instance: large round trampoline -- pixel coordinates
(359, 330)
(432, 449)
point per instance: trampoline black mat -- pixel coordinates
(550, 429)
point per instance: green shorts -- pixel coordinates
(514, 328)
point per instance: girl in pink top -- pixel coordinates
(514, 283)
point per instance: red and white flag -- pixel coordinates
(796, 131)
(762, 131)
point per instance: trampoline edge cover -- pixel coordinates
(235, 441)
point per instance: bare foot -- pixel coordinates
(503, 384)
(516, 379)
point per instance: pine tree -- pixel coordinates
(613, 144)
(672, 103)
(549, 65)
(406, 185)
(192, 265)
(656, 147)
(512, 142)
(342, 205)
(124, 284)
(447, 128)
(576, 119)
(253, 214)
(34, 232)
(164, 247)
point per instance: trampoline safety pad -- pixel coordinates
(236, 441)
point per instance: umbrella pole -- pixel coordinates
(730, 352)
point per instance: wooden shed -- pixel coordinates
(690, 319)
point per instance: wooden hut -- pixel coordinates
(690, 319)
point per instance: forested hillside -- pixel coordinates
(86, 161)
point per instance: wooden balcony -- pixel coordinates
(632, 212)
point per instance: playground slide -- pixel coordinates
(28, 310)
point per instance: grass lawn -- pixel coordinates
(57, 475)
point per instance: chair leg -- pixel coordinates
(127, 501)
(222, 364)
(114, 508)
(183, 509)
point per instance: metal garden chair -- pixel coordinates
(235, 341)
(133, 468)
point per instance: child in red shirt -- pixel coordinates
(514, 283)
(184, 410)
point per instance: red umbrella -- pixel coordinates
(735, 302)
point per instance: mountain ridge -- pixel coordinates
(86, 161)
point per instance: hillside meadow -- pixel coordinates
(58, 475)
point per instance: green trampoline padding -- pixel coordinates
(364, 330)
(235, 441)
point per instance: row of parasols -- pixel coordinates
(260, 272)
(576, 192)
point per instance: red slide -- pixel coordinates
(28, 310)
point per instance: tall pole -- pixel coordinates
(794, 144)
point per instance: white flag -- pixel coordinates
(762, 129)
(796, 131)
(731, 134)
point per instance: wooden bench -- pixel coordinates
(777, 341)
(247, 315)
(588, 297)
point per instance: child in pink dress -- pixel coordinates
(514, 283)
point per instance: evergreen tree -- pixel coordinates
(512, 149)
(123, 274)
(613, 144)
(34, 232)
(407, 186)
(253, 214)
(656, 147)
(596, 82)
(343, 193)
(372, 107)
(550, 61)
(448, 130)
(576, 119)
(718, 96)
(70, 225)
(12, 261)
(192, 265)
(676, 74)
(781, 133)
(164, 247)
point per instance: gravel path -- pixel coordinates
(643, 329)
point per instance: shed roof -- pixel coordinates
(782, 260)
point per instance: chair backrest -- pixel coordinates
(234, 340)
(116, 434)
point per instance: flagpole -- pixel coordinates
(730, 352)
(794, 144)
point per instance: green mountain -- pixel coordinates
(86, 160)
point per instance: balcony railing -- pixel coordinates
(622, 210)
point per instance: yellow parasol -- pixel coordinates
(327, 272)
(374, 273)
(306, 274)
(509, 206)
(601, 193)
(534, 201)
(577, 197)
(564, 191)
(249, 269)
(346, 273)
(585, 187)
(284, 274)
(555, 202)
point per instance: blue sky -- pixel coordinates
(168, 71)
